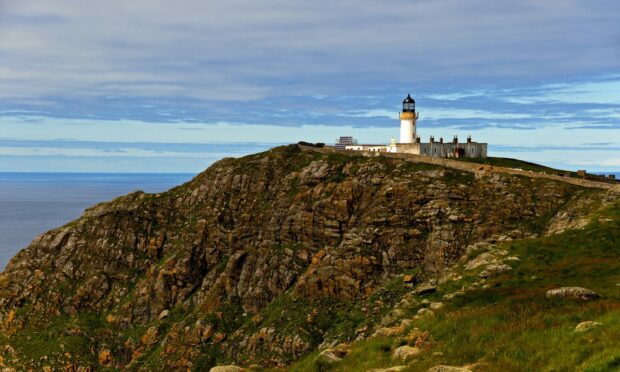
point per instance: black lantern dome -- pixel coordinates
(409, 104)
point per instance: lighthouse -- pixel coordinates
(408, 118)
(410, 142)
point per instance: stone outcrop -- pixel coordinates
(586, 326)
(575, 293)
(443, 368)
(229, 368)
(169, 277)
(494, 270)
(485, 258)
(406, 352)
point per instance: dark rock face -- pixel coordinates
(169, 267)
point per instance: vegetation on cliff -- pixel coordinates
(507, 322)
(264, 259)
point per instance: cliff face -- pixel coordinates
(241, 262)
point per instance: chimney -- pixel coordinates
(440, 139)
(417, 139)
(469, 139)
(455, 140)
(432, 139)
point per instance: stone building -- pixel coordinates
(410, 142)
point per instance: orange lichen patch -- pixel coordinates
(105, 357)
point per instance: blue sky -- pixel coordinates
(155, 86)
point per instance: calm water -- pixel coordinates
(32, 203)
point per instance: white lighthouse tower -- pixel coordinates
(408, 120)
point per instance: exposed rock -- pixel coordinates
(435, 305)
(424, 312)
(105, 358)
(408, 279)
(586, 326)
(329, 356)
(150, 336)
(485, 258)
(164, 314)
(576, 293)
(425, 289)
(442, 368)
(494, 270)
(386, 332)
(228, 368)
(406, 352)
(573, 217)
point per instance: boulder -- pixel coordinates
(229, 368)
(328, 357)
(406, 352)
(387, 332)
(105, 358)
(164, 314)
(435, 305)
(494, 270)
(575, 293)
(150, 336)
(442, 368)
(485, 258)
(586, 326)
(425, 288)
(425, 312)
(408, 279)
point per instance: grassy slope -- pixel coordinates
(513, 163)
(532, 167)
(511, 326)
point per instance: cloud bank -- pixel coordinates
(473, 66)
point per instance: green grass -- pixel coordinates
(63, 335)
(527, 166)
(513, 163)
(512, 326)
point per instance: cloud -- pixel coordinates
(280, 71)
(199, 51)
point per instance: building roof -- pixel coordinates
(409, 99)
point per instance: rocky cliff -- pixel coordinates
(257, 260)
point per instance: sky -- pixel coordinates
(160, 86)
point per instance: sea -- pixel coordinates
(32, 203)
